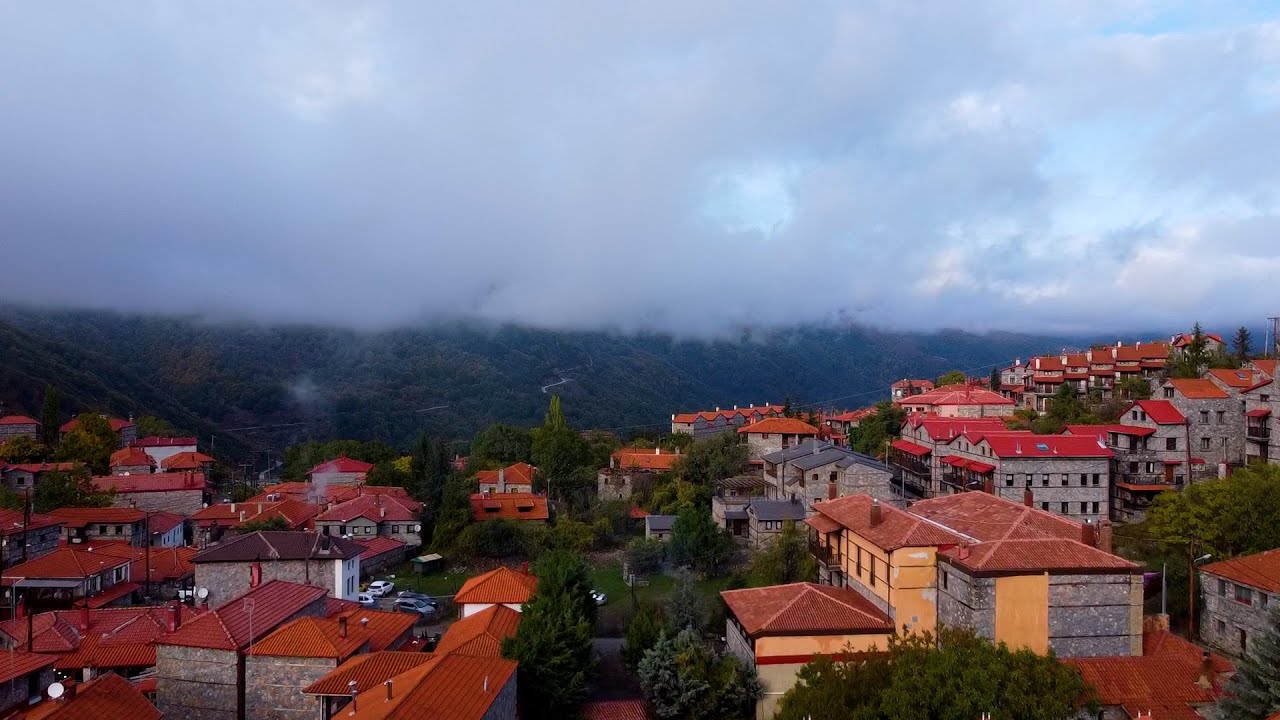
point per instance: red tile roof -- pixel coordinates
(1164, 680)
(70, 562)
(1258, 412)
(18, 420)
(1185, 339)
(227, 628)
(745, 412)
(1046, 446)
(186, 461)
(897, 528)
(456, 687)
(15, 664)
(1102, 432)
(162, 522)
(642, 459)
(1240, 379)
(279, 545)
(167, 564)
(503, 585)
(368, 671)
(131, 456)
(341, 464)
(614, 710)
(112, 594)
(956, 395)
(509, 506)
(310, 637)
(116, 424)
(854, 415)
(65, 467)
(384, 630)
(1161, 412)
(911, 448)
(1198, 388)
(377, 508)
(11, 521)
(805, 608)
(1046, 362)
(80, 517)
(106, 696)
(481, 633)
(296, 513)
(1260, 570)
(783, 425)
(519, 474)
(114, 631)
(947, 428)
(153, 441)
(152, 482)
(905, 383)
(377, 545)
(1266, 366)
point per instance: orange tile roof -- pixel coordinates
(947, 428)
(11, 521)
(503, 585)
(80, 517)
(296, 513)
(341, 464)
(69, 562)
(956, 395)
(481, 633)
(906, 383)
(36, 468)
(1163, 680)
(157, 441)
(186, 461)
(743, 412)
(107, 696)
(1266, 366)
(15, 664)
(64, 631)
(897, 528)
(102, 651)
(152, 482)
(131, 456)
(167, 564)
(310, 637)
(508, 506)
(805, 608)
(1198, 388)
(1240, 379)
(384, 630)
(614, 710)
(783, 425)
(520, 473)
(456, 687)
(378, 508)
(377, 545)
(642, 459)
(368, 671)
(1260, 570)
(227, 628)
(116, 424)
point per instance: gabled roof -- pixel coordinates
(311, 637)
(906, 383)
(80, 517)
(897, 528)
(166, 563)
(377, 508)
(279, 545)
(116, 424)
(228, 627)
(377, 545)
(162, 522)
(295, 513)
(1197, 388)
(131, 456)
(65, 467)
(642, 459)
(368, 671)
(948, 428)
(106, 696)
(1260, 570)
(11, 521)
(782, 425)
(113, 631)
(775, 510)
(1185, 339)
(1241, 379)
(151, 482)
(805, 608)
(1164, 680)
(853, 415)
(341, 464)
(18, 420)
(813, 453)
(520, 473)
(739, 412)
(958, 394)
(381, 629)
(154, 441)
(1266, 366)
(186, 461)
(481, 633)
(1009, 447)
(1161, 412)
(69, 563)
(452, 687)
(503, 585)
(1103, 431)
(15, 664)
(508, 506)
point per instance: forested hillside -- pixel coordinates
(452, 379)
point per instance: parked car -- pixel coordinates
(599, 597)
(410, 595)
(413, 605)
(367, 600)
(381, 588)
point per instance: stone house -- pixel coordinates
(509, 506)
(839, 426)
(183, 493)
(1012, 380)
(778, 629)
(632, 468)
(502, 586)
(88, 525)
(517, 478)
(1240, 596)
(243, 562)
(23, 676)
(201, 668)
(168, 530)
(1212, 343)
(380, 553)
(907, 388)
(12, 426)
(196, 462)
(729, 502)
(215, 522)
(967, 400)
(23, 477)
(161, 572)
(1166, 447)
(766, 518)
(1138, 474)
(482, 633)
(454, 686)
(368, 671)
(131, 460)
(23, 538)
(341, 470)
(1215, 419)
(297, 654)
(774, 434)
(373, 515)
(67, 575)
(126, 432)
(713, 422)
(1262, 404)
(818, 470)
(161, 449)
(659, 527)
(1011, 572)
(915, 454)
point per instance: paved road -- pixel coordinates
(613, 681)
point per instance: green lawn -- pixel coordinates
(437, 583)
(617, 613)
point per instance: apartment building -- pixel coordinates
(1215, 419)
(1262, 404)
(711, 422)
(915, 454)
(961, 400)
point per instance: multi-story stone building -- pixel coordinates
(25, 538)
(818, 470)
(131, 461)
(1262, 404)
(369, 515)
(183, 493)
(1215, 419)
(23, 477)
(1011, 572)
(12, 426)
(767, 518)
(712, 422)
(243, 562)
(341, 470)
(1096, 371)
(967, 401)
(631, 469)
(160, 449)
(89, 525)
(730, 499)
(1239, 597)
(915, 454)
(773, 434)
(908, 388)
(517, 478)
(1137, 472)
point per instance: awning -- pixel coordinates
(1260, 412)
(980, 467)
(55, 583)
(111, 594)
(954, 460)
(911, 448)
(822, 523)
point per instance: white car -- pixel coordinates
(367, 600)
(599, 597)
(381, 588)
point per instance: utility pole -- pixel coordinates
(1191, 591)
(1273, 349)
(146, 538)
(1186, 427)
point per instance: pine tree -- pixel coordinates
(685, 608)
(1241, 345)
(642, 634)
(555, 416)
(1253, 693)
(995, 379)
(684, 677)
(51, 416)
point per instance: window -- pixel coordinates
(1222, 417)
(1168, 392)
(1222, 628)
(1264, 600)
(1044, 506)
(1084, 508)
(859, 561)
(1133, 466)
(1044, 480)
(1244, 595)
(1008, 481)
(1222, 587)
(1097, 478)
(1171, 443)
(395, 529)
(945, 584)
(1064, 479)
(1151, 468)
(1204, 417)
(1084, 479)
(1063, 509)
(1244, 640)
(764, 436)
(1095, 508)
(1177, 479)
(1204, 443)
(873, 571)
(1133, 415)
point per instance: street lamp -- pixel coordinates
(1191, 588)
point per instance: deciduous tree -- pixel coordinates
(59, 489)
(91, 442)
(714, 458)
(22, 449)
(696, 541)
(877, 429)
(955, 377)
(785, 559)
(152, 426)
(501, 444)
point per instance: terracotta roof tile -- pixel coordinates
(783, 425)
(956, 395)
(167, 564)
(1266, 366)
(368, 671)
(481, 633)
(65, 562)
(59, 631)
(1102, 432)
(456, 687)
(520, 473)
(378, 508)
(341, 464)
(1240, 379)
(18, 420)
(642, 459)
(906, 383)
(805, 607)
(897, 528)
(107, 696)
(79, 517)
(384, 630)
(1163, 680)
(1260, 570)
(15, 664)
(1161, 412)
(614, 710)
(186, 461)
(131, 456)
(45, 467)
(116, 424)
(11, 521)
(377, 545)
(310, 637)
(508, 506)
(228, 627)
(1009, 446)
(152, 482)
(1198, 388)
(948, 428)
(740, 412)
(296, 513)
(503, 585)
(154, 441)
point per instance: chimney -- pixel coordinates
(84, 618)
(1206, 670)
(962, 552)
(1028, 498)
(175, 616)
(486, 677)
(1155, 623)
(832, 491)
(876, 517)
(351, 685)
(657, 451)
(524, 568)
(233, 508)
(242, 516)
(1104, 535)
(389, 693)
(69, 693)
(1087, 535)
(502, 479)
(989, 486)
(255, 574)
(342, 627)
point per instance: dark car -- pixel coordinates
(409, 595)
(413, 605)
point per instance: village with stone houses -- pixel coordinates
(1062, 509)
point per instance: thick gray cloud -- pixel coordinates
(680, 166)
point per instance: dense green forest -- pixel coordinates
(230, 379)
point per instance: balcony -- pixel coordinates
(1257, 432)
(826, 555)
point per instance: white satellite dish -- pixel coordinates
(56, 690)
(417, 528)
(202, 593)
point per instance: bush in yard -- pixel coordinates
(642, 633)
(683, 677)
(497, 538)
(645, 556)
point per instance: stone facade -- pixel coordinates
(18, 691)
(336, 478)
(1228, 622)
(40, 541)
(134, 533)
(273, 687)
(1079, 488)
(1217, 425)
(362, 527)
(13, 429)
(226, 580)
(181, 502)
(622, 483)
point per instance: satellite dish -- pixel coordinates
(202, 593)
(56, 690)
(417, 528)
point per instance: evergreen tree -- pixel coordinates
(51, 416)
(560, 453)
(683, 677)
(1253, 693)
(994, 381)
(553, 642)
(685, 608)
(712, 459)
(642, 634)
(697, 541)
(955, 377)
(501, 445)
(1241, 343)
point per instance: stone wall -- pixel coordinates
(198, 683)
(39, 542)
(1220, 422)
(1095, 615)
(1070, 480)
(761, 444)
(1224, 617)
(16, 692)
(273, 687)
(503, 706)
(966, 601)
(30, 430)
(181, 502)
(866, 480)
(227, 580)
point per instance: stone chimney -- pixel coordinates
(255, 574)
(1028, 498)
(962, 552)
(502, 479)
(1206, 670)
(876, 516)
(84, 618)
(1087, 534)
(175, 616)
(833, 492)
(1104, 535)
(342, 627)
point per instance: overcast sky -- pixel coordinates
(681, 165)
